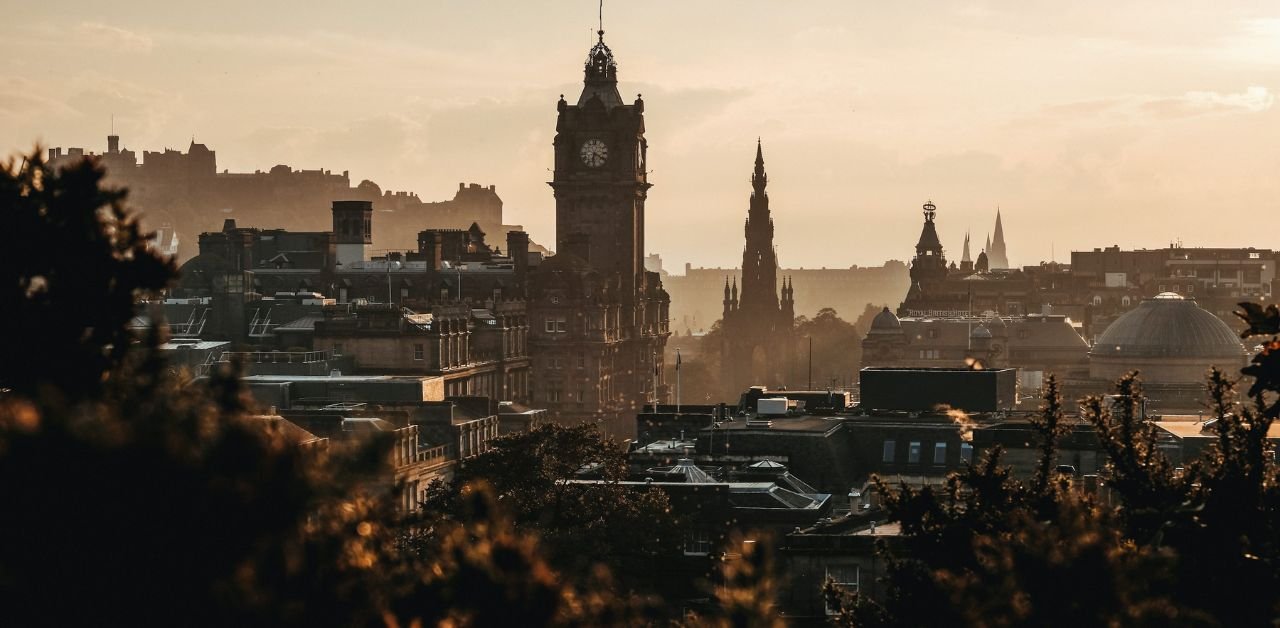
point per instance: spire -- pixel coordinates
(759, 257)
(601, 72)
(999, 257)
(758, 178)
(965, 256)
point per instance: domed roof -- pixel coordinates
(980, 331)
(1168, 326)
(885, 321)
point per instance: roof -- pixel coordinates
(686, 468)
(770, 495)
(1168, 326)
(306, 322)
(885, 321)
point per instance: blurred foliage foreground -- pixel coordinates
(127, 497)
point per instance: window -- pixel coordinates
(697, 543)
(582, 361)
(846, 577)
(555, 325)
(555, 362)
(889, 446)
(404, 293)
(419, 352)
(1162, 288)
(1125, 301)
(913, 452)
(553, 395)
(939, 453)
(1097, 300)
(966, 452)
(1191, 287)
(930, 354)
(582, 395)
(337, 348)
(933, 333)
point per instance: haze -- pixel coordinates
(1131, 123)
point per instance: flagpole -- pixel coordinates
(677, 381)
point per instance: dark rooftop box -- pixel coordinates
(924, 389)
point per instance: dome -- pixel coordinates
(1169, 326)
(980, 331)
(1168, 338)
(885, 321)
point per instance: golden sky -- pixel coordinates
(1089, 123)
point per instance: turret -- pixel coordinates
(727, 303)
(353, 226)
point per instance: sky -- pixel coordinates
(1137, 123)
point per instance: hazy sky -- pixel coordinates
(1089, 123)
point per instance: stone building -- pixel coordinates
(598, 317)
(478, 352)
(1170, 340)
(184, 194)
(1036, 344)
(757, 325)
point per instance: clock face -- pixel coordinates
(593, 153)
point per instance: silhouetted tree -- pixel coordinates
(580, 524)
(1190, 546)
(132, 499)
(837, 344)
(75, 263)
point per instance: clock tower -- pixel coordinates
(600, 182)
(599, 320)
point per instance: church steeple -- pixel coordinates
(996, 251)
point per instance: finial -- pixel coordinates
(600, 32)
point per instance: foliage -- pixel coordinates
(837, 345)
(131, 499)
(580, 524)
(75, 262)
(1189, 546)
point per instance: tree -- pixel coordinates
(1191, 546)
(75, 262)
(837, 345)
(133, 499)
(580, 524)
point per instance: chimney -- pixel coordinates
(431, 247)
(518, 249)
(579, 244)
